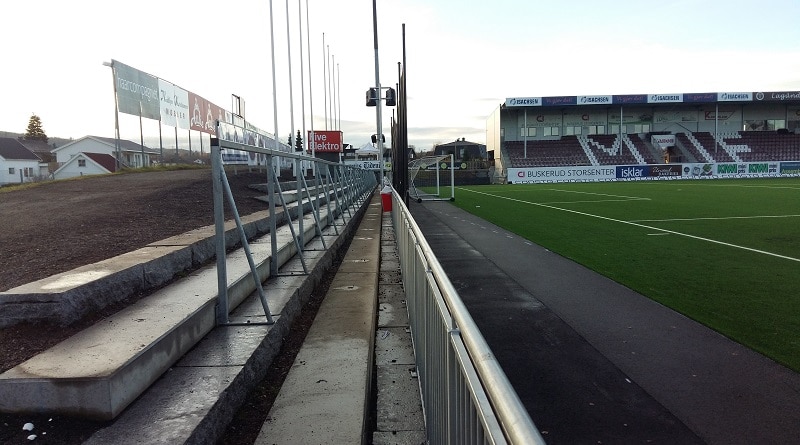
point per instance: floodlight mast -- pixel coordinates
(378, 86)
(117, 153)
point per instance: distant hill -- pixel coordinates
(53, 142)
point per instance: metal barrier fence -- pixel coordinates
(467, 399)
(336, 186)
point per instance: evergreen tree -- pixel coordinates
(35, 131)
(298, 143)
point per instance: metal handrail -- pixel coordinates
(359, 182)
(434, 305)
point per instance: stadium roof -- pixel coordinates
(677, 98)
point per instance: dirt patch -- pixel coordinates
(58, 226)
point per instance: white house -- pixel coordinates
(17, 163)
(86, 164)
(132, 155)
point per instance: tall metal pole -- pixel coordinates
(333, 95)
(310, 92)
(330, 91)
(302, 72)
(378, 87)
(716, 129)
(291, 90)
(525, 135)
(325, 79)
(160, 143)
(141, 134)
(339, 95)
(272, 177)
(116, 115)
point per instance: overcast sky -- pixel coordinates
(463, 57)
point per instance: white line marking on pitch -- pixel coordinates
(638, 198)
(597, 200)
(735, 246)
(715, 218)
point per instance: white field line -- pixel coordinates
(747, 186)
(657, 229)
(623, 197)
(597, 200)
(715, 218)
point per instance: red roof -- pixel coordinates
(107, 161)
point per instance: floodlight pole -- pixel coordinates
(116, 115)
(379, 118)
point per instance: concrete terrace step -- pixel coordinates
(101, 370)
(66, 297)
(194, 401)
(290, 192)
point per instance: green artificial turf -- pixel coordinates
(723, 252)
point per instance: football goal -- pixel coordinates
(428, 178)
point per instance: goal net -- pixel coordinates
(431, 176)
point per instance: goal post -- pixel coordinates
(428, 178)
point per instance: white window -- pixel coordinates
(596, 129)
(550, 131)
(616, 130)
(81, 162)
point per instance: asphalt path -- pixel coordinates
(595, 362)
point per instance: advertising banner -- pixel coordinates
(560, 174)
(630, 117)
(326, 141)
(777, 96)
(524, 102)
(722, 115)
(446, 166)
(598, 117)
(594, 100)
(204, 114)
(790, 168)
(675, 116)
(699, 97)
(663, 140)
(174, 105)
(555, 101)
(623, 99)
(369, 165)
(737, 97)
(698, 170)
(544, 120)
(137, 92)
(664, 98)
(653, 172)
(649, 171)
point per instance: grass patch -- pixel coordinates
(725, 252)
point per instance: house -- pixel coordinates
(462, 149)
(86, 164)
(132, 155)
(17, 163)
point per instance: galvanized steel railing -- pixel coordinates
(467, 397)
(344, 185)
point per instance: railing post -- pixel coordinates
(301, 208)
(273, 223)
(219, 232)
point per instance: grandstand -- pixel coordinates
(551, 138)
